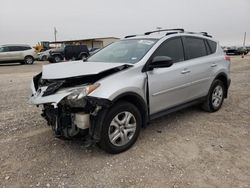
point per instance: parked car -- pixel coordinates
(131, 82)
(70, 52)
(236, 51)
(17, 53)
(43, 56)
(56, 55)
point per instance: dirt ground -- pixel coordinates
(190, 148)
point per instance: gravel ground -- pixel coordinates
(190, 148)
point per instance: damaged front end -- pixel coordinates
(71, 118)
(67, 106)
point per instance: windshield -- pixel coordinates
(124, 51)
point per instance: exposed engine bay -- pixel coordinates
(66, 105)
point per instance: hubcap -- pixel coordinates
(122, 128)
(57, 59)
(217, 96)
(29, 60)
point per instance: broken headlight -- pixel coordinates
(76, 98)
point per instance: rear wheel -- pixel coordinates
(29, 60)
(83, 57)
(121, 128)
(57, 58)
(215, 97)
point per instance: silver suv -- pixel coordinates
(118, 90)
(17, 53)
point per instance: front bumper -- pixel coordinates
(68, 119)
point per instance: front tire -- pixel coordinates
(121, 128)
(29, 60)
(215, 97)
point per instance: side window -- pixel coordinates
(172, 48)
(4, 49)
(14, 48)
(212, 45)
(195, 47)
(23, 48)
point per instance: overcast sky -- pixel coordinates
(31, 21)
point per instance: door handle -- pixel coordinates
(214, 65)
(185, 71)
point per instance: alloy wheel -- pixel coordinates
(217, 96)
(122, 128)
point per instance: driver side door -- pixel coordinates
(168, 86)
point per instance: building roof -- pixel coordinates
(79, 40)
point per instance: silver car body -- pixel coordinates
(160, 89)
(18, 55)
(43, 55)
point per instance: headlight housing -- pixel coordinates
(79, 93)
(76, 98)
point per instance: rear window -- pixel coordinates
(212, 45)
(195, 47)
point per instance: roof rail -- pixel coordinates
(129, 36)
(200, 33)
(156, 31)
(172, 31)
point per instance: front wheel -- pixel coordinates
(121, 128)
(29, 60)
(215, 97)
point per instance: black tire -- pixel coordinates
(208, 105)
(118, 108)
(57, 58)
(83, 56)
(29, 60)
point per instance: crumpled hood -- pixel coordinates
(75, 69)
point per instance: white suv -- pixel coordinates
(17, 53)
(125, 85)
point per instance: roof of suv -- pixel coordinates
(158, 34)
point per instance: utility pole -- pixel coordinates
(244, 44)
(244, 41)
(55, 33)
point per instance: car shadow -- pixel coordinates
(10, 64)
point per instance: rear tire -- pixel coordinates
(120, 128)
(57, 59)
(83, 57)
(29, 60)
(215, 97)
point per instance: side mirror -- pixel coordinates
(160, 62)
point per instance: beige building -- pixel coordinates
(91, 43)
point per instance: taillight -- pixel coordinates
(227, 58)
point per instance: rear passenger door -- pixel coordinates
(168, 86)
(199, 64)
(15, 52)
